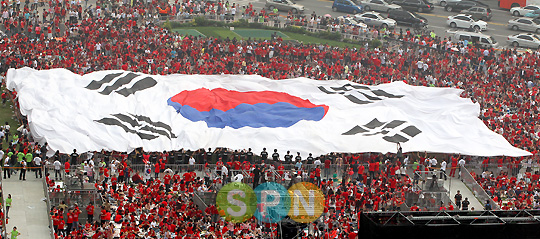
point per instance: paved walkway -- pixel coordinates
(454, 184)
(28, 211)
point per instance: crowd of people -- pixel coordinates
(141, 204)
(510, 191)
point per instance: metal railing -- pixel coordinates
(2, 194)
(347, 32)
(510, 168)
(477, 190)
(48, 201)
(431, 181)
(433, 200)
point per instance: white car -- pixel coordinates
(466, 21)
(375, 19)
(378, 5)
(524, 40)
(525, 24)
(521, 11)
(443, 3)
(351, 22)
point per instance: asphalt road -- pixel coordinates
(436, 19)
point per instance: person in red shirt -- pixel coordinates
(76, 213)
(157, 168)
(56, 220)
(167, 180)
(90, 212)
(61, 227)
(453, 166)
(67, 167)
(4, 98)
(327, 163)
(371, 169)
(415, 207)
(442, 207)
(450, 206)
(69, 221)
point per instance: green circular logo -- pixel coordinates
(236, 202)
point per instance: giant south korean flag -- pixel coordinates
(117, 110)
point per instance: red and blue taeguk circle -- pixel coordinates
(221, 107)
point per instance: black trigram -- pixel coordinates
(140, 125)
(395, 131)
(118, 82)
(359, 94)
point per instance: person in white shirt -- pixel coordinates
(443, 169)
(427, 163)
(22, 175)
(191, 164)
(433, 163)
(317, 162)
(6, 165)
(37, 163)
(57, 165)
(224, 174)
(461, 163)
(113, 168)
(287, 177)
(406, 161)
(6, 129)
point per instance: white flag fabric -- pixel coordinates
(119, 110)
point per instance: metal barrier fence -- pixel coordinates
(71, 197)
(4, 227)
(512, 169)
(428, 200)
(48, 201)
(431, 181)
(476, 189)
(76, 177)
(346, 31)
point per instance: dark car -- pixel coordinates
(415, 5)
(479, 13)
(404, 17)
(462, 5)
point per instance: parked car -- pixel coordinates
(352, 22)
(533, 14)
(521, 11)
(415, 5)
(525, 24)
(284, 5)
(478, 39)
(466, 21)
(407, 18)
(479, 13)
(346, 6)
(443, 3)
(375, 19)
(524, 40)
(462, 5)
(378, 5)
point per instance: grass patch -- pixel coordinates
(226, 32)
(212, 31)
(315, 40)
(258, 33)
(191, 32)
